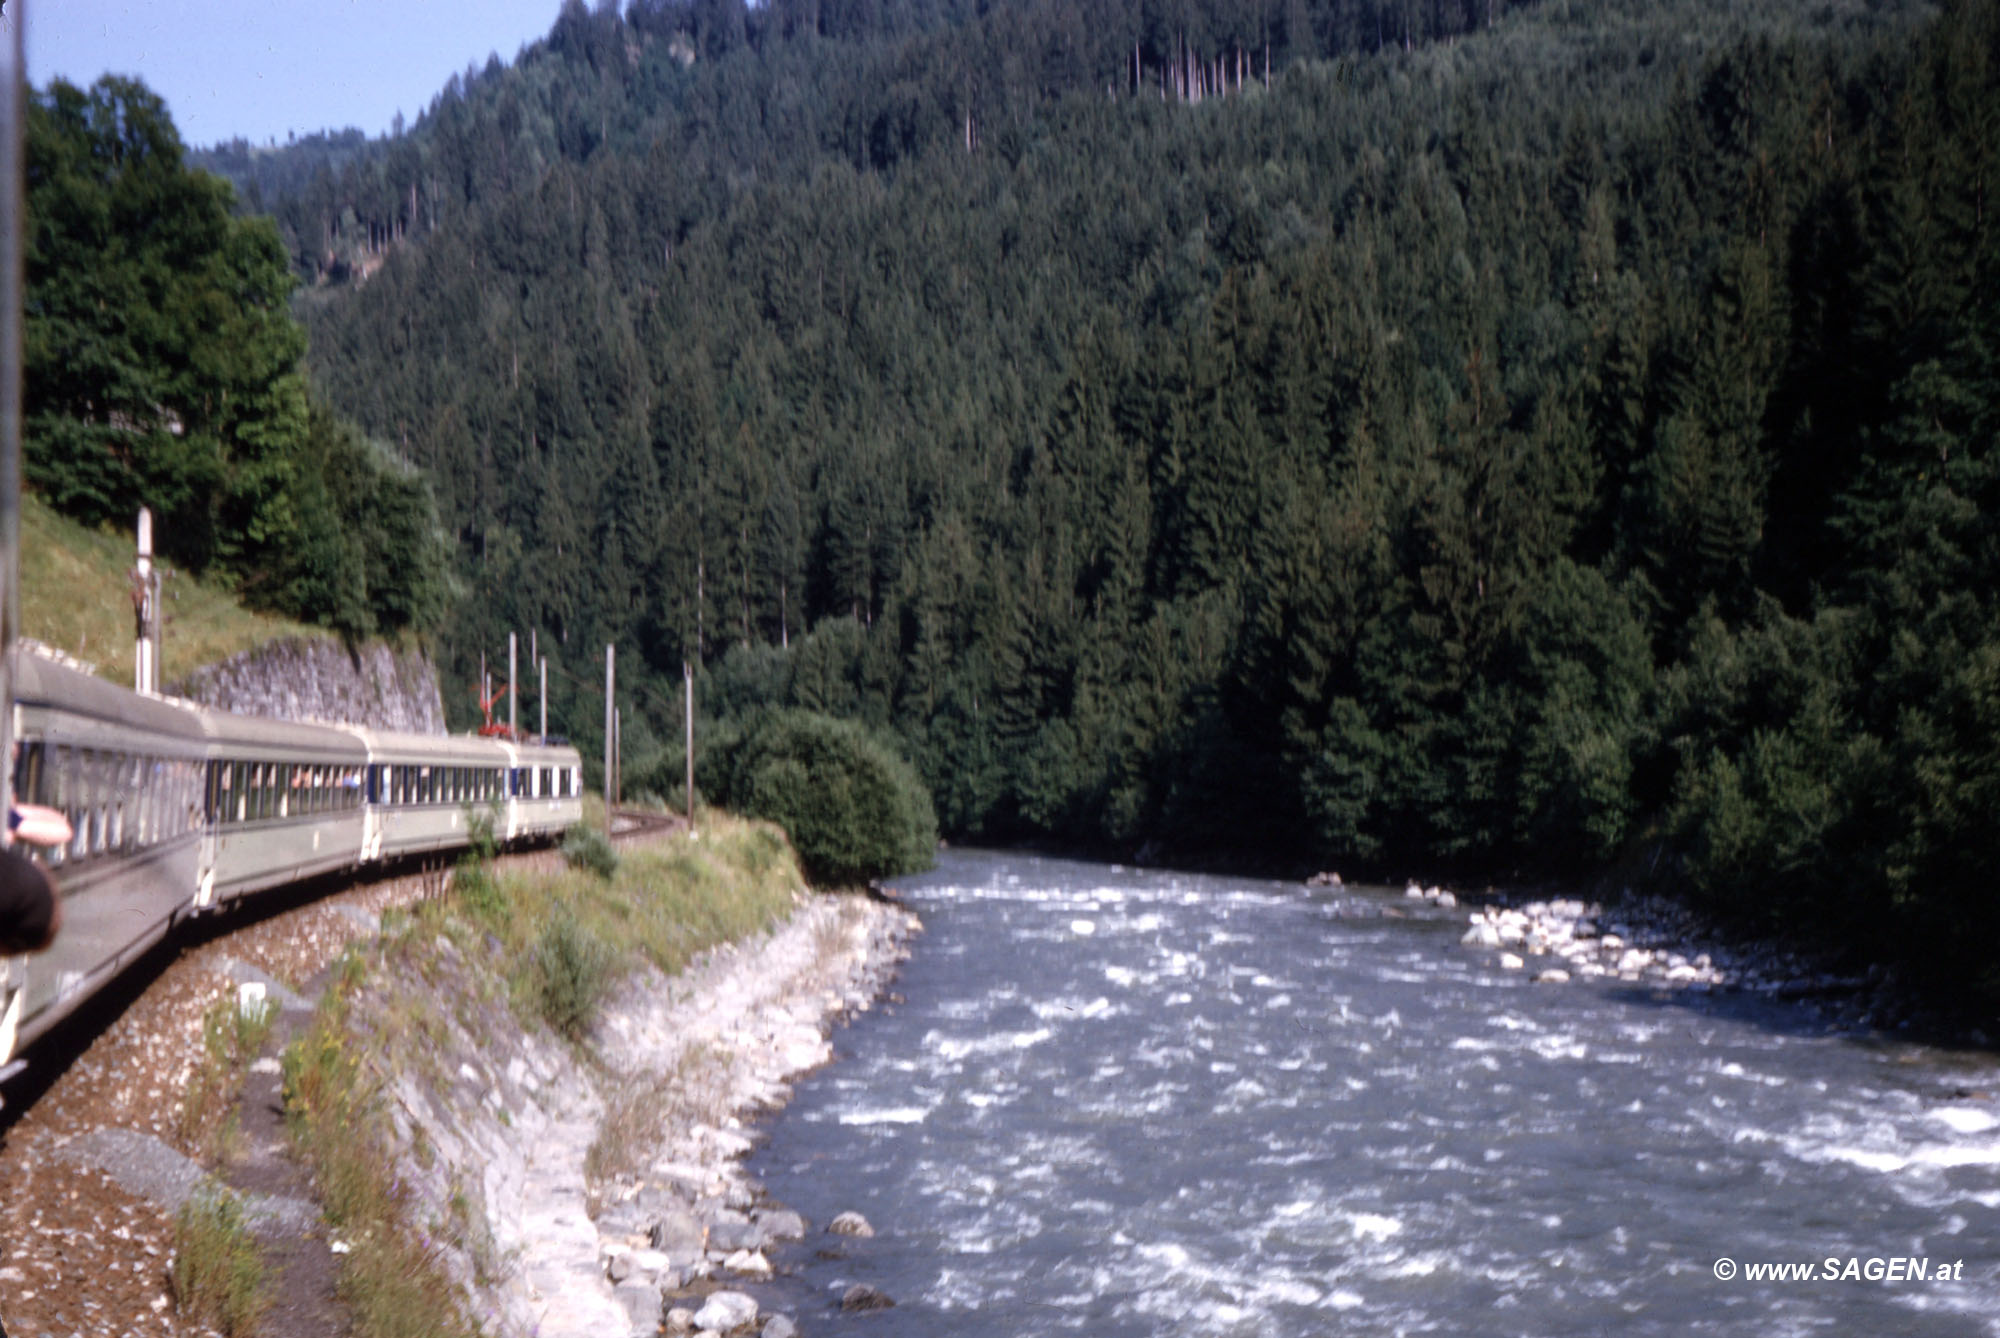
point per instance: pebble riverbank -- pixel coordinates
(598, 1192)
(1659, 944)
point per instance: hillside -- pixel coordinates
(1529, 439)
(76, 595)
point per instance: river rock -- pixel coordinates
(723, 1311)
(781, 1224)
(850, 1223)
(862, 1297)
(676, 1234)
(780, 1326)
(1555, 975)
(1482, 935)
(680, 1320)
(1511, 962)
(731, 1236)
(750, 1263)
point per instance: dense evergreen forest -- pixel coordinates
(1385, 435)
(163, 368)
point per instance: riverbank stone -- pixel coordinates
(676, 1234)
(749, 1263)
(641, 1301)
(780, 1224)
(724, 1311)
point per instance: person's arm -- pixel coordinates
(30, 907)
(40, 826)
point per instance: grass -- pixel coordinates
(231, 1036)
(218, 1277)
(76, 595)
(666, 902)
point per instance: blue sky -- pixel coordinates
(264, 68)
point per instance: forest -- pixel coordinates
(1442, 438)
(163, 369)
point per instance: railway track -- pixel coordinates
(643, 822)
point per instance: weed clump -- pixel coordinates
(217, 1275)
(231, 1035)
(588, 848)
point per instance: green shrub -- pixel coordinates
(588, 848)
(855, 810)
(574, 967)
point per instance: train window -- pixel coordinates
(91, 782)
(114, 804)
(28, 773)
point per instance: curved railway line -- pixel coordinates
(80, 1254)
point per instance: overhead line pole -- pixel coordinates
(13, 183)
(687, 698)
(610, 725)
(513, 691)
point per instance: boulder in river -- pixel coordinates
(861, 1297)
(850, 1223)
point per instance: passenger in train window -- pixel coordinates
(37, 824)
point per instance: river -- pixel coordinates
(1128, 1102)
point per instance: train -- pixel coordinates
(178, 810)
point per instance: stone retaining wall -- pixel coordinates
(319, 679)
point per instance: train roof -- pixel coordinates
(42, 682)
(252, 735)
(433, 749)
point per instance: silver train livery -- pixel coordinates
(178, 810)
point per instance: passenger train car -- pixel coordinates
(178, 809)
